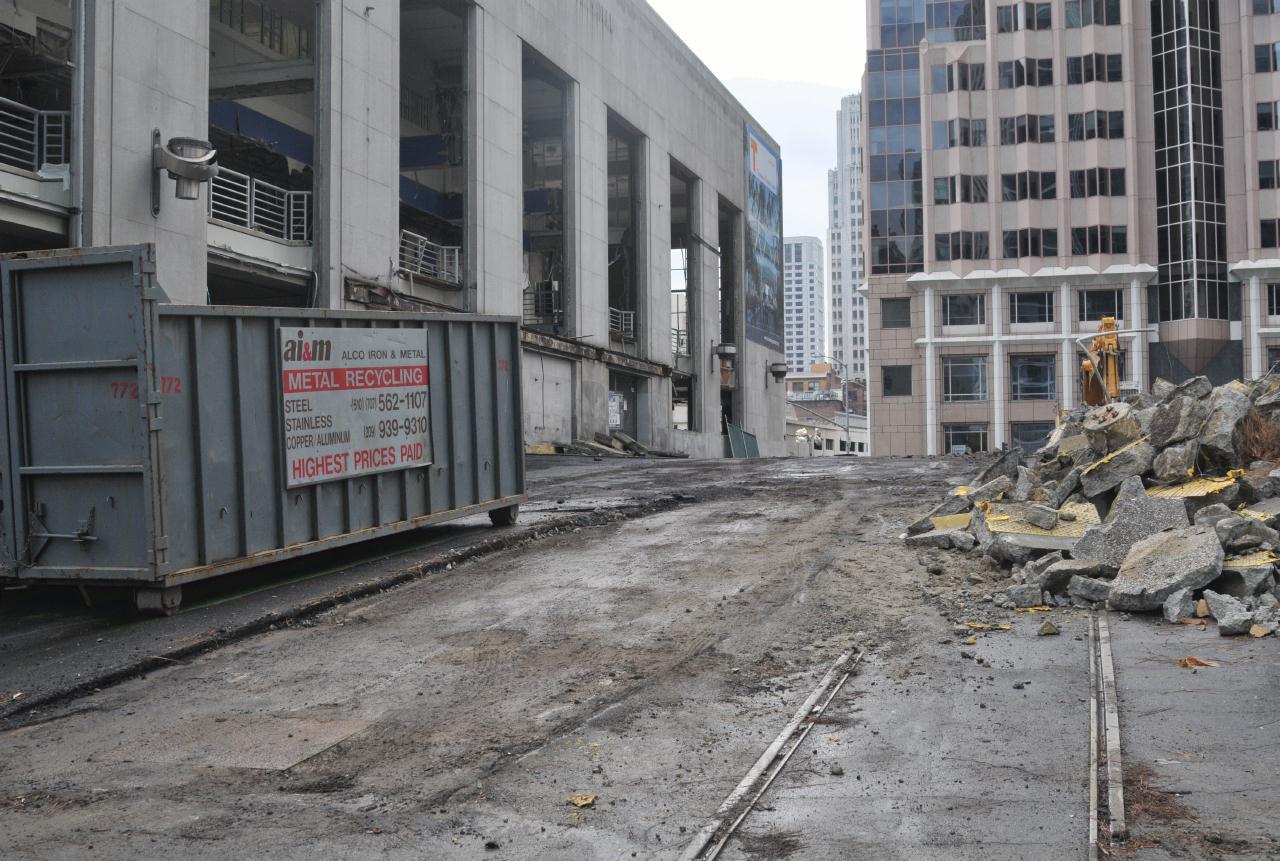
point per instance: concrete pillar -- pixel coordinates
(1067, 373)
(930, 375)
(357, 145)
(1137, 355)
(1257, 357)
(999, 370)
(146, 67)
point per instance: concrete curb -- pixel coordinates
(434, 565)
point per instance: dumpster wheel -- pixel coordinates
(158, 602)
(505, 516)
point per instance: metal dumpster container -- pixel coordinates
(151, 445)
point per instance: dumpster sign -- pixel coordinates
(354, 402)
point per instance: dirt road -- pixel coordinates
(646, 662)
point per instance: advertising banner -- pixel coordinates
(763, 290)
(354, 402)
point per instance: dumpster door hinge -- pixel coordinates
(82, 536)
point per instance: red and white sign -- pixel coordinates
(355, 402)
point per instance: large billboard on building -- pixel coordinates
(763, 294)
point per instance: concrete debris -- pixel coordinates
(1132, 520)
(1041, 516)
(1048, 629)
(1180, 485)
(1233, 616)
(1158, 566)
(1178, 606)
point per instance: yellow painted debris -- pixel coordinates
(1258, 632)
(983, 626)
(961, 491)
(952, 521)
(1251, 560)
(970, 641)
(1033, 610)
(584, 799)
(1004, 518)
(539, 448)
(1091, 467)
(1256, 515)
(1203, 486)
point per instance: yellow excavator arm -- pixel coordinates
(1101, 384)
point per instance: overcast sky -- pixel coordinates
(789, 64)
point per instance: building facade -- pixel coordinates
(805, 293)
(848, 315)
(569, 162)
(1035, 167)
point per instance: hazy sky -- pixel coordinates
(789, 64)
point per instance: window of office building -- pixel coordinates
(1029, 185)
(1266, 7)
(967, 309)
(959, 189)
(1033, 378)
(1098, 182)
(1094, 67)
(893, 131)
(1268, 116)
(964, 439)
(1024, 16)
(958, 76)
(1030, 72)
(955, 20)
(962, 245)
(959, 132)
(1028, 128)
(1031, 307)
(1268, 174)
(1089, 125)
(624, 208)
(1030, 436)
(1100, 239)
(1273, 300)
(1030, 242)
(895, 313)
(1085, 13)
(897, 381)
(1096, 304)
(964, 378)
(1266, 57)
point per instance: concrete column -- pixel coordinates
(999, 372)
(146, 67)
(1257, 359)
(930, 376)
(1067, 373)
(1137, 355)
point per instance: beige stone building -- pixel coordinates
(1033, 167)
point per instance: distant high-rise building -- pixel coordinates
(1033, 168)
(806, 301)
(847, 314)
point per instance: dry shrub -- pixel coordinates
(1259, 438)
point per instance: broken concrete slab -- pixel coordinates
(1211, 514)
(1196, 387)
(1058, 576)
(1177, 420)
(1088, 589)
(1239, 534)
(1227, 406)
(1233, 616)
(1027, 486)
(1131, 488)
(1111, 427)
(997, 487)
(963, 541)
(1005, 465)
(1158, 566)
(953, 504)
(1261, 483)
(1176, 463)
(1245, 582)
(1057, 493)
(1180, 605)
(938, 539)
(1041, 516)
(1107, 473)
(1024, 596)
(1130, 521)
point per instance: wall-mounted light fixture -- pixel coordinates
(778, 370)
(188, 161)
(725, 351)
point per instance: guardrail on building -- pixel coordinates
(239, 199)
(30, 138)
(421, 256)
(622, 322)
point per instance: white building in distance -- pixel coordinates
(847, 316)
(805, 291)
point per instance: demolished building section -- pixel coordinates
(1168, 502)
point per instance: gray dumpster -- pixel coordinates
(150, 445)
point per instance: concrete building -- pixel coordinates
(805, 292)
(848, 315)
(567, 161)
(1035, 167)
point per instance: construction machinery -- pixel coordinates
(1100, 372)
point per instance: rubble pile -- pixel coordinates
(1155, 504)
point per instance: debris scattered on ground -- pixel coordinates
(1048, 629)
(1190, 662)
(1167, 502)
(582, 799)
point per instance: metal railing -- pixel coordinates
(543, 305)
(622, 322)
(240, 200)
(421, 256)
(30, 138)
(680, 343)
